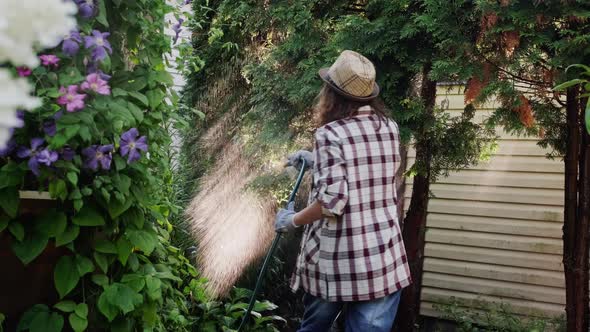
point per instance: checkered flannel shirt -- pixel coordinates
(355, 251)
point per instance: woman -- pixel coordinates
(352, 254)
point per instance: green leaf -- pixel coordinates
(141, 97)
(88, 217)
(102, 14)
(144, 240)
(65, 275)
(117, 92)
(47, 322)
(124, 248)
(153, 286)
(150, 315)
(105, 307)
(101, 261)
(155, 98)
(4, 223)
(9, 200)
(568, 84)
(32, 246)
(123, 297)
(69, 235)
(29, 315)
(134, 216)
(84, 265)
(85, 134)
(106, 247)
(577, 65)
(116, 208)
(17, 230)
(51, 224)
(136, 112)
(58, 189)
(120, 163)
(66, 306)
(82, 310)
(100, 279)
(73, 177)
(135, 281)
(11, 175)
(78, 323)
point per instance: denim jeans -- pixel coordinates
(366, 316)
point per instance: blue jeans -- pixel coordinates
(366, 316)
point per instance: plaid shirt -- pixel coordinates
(355, 251)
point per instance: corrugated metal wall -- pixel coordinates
(494, 230)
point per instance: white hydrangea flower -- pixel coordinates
(14, 94)
(26, 25)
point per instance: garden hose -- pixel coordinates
(271, 252)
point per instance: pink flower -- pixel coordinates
(23, 71)
(49, 60)
(95, 83)
(70, 97)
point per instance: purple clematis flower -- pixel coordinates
(186, 2)
(86, 8)
(47, 157)
(70, 97)
(49, 60)
(177, 28)
(36, 155)
(99, 45)
(95, 83)
(131, 145)
(67, 153)
(98, 155)
(8, 148)
(49, 128)
(23, 71)
(71, 43)
(92, 68)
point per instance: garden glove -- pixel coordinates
(284, 219)
(294, 159)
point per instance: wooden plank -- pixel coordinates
(495, 272)
(497, 194)
(495, 225)
(523, 307)
(494, 241)
(515, 164)
(494, 209)
(512, 147)
(505, 179)
(500, 257)
(502, 289)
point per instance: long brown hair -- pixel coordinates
(330, 106)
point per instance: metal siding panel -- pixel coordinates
(494, 231)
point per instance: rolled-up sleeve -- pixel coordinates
(330, 173)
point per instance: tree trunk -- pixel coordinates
(415, 222)
(576, 216)
(401, 182)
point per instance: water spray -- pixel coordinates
(271, 252)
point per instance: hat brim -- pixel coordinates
(326, 78)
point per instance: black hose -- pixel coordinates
(271, 252)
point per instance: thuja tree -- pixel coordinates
(280, 45)
(98, 146)
(521, 51)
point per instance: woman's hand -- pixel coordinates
(284, 219)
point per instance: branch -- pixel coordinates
(515, 76)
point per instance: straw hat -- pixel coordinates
(352, 76)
